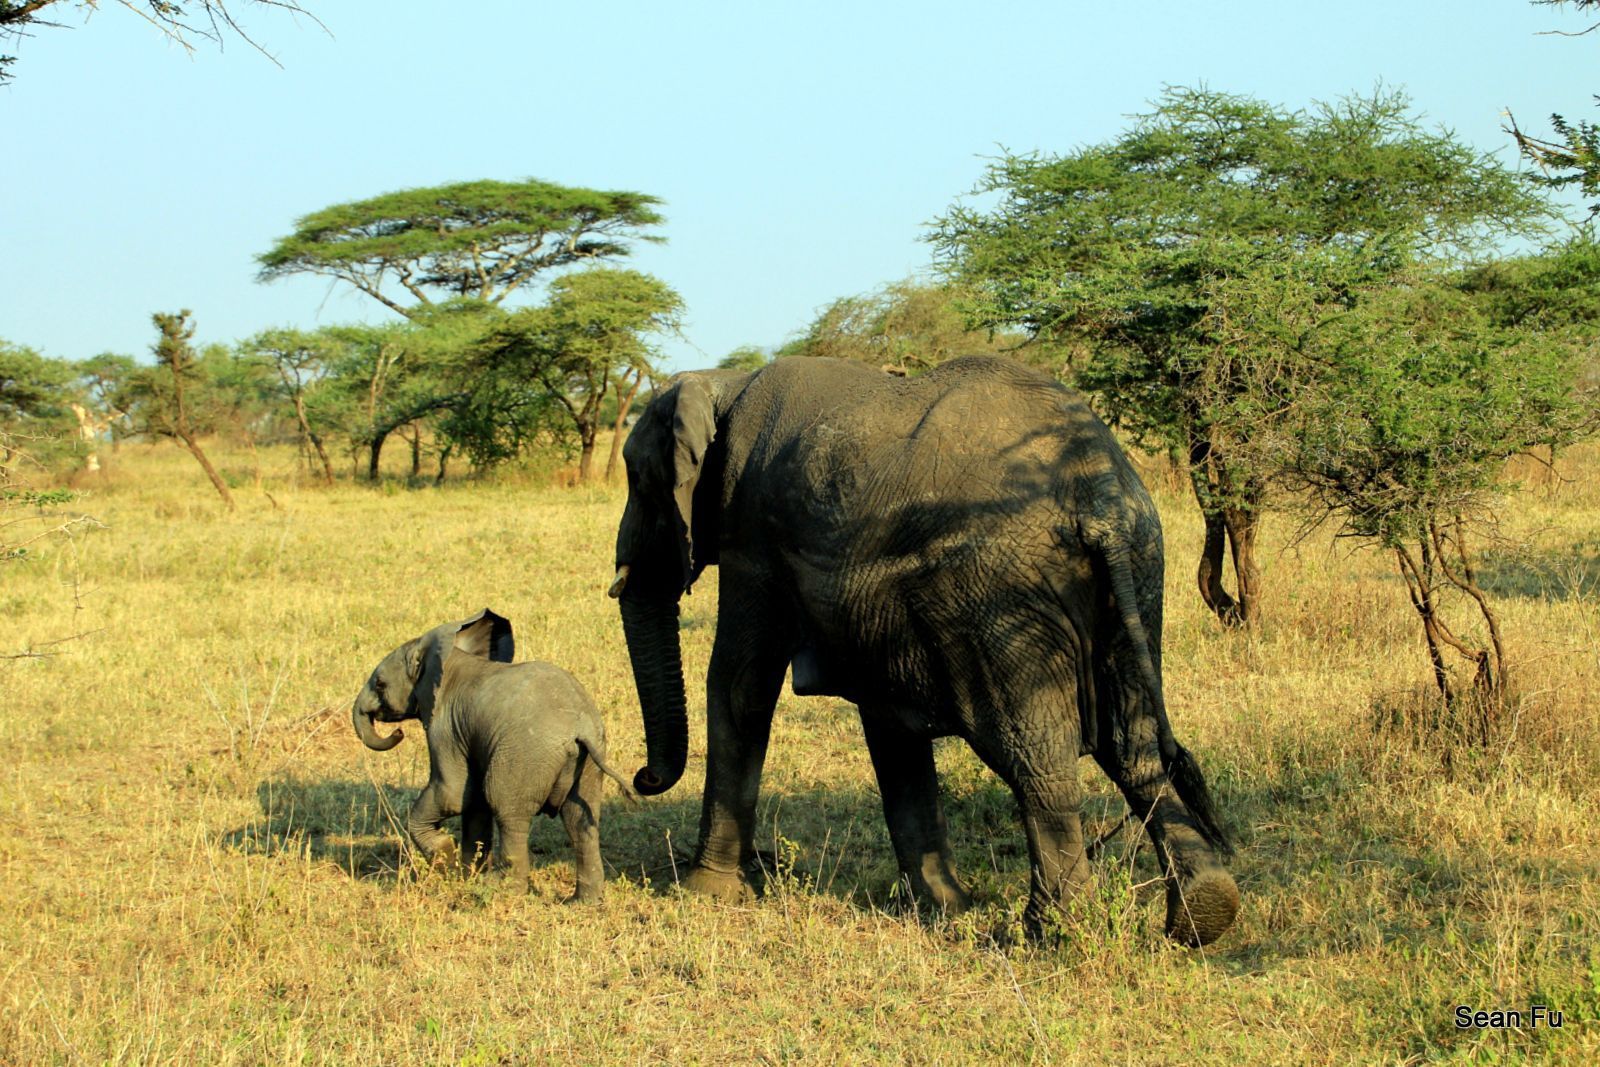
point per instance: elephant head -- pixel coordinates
(664, 541)
(405, 684)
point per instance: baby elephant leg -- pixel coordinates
(514, 824)
(437, 803)
(477, 833)
(580, 813)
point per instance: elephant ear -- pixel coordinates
(694, 428)
(487, 636)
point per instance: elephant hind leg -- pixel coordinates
(1041, 767)
(477, 832)
(909, 786)
(513, 826)
(1058, 860)
(580, 814)
(1202, 898)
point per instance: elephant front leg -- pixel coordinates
(424, 824)
(741, 690)
(909, 785)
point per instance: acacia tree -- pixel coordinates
(903, 328)
(482, 240)
(1128, 252)
(591, 337)
(745, 358)
(303, 362)
(168, 399)
(1404, 411)
(384, 378)
(32, 386)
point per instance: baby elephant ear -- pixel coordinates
(487, 636)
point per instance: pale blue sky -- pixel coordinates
(800, 148)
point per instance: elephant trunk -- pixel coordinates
(367, 730)
(651, 629)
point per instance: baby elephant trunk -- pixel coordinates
(367, 730)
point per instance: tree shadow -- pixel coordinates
(1551, 575)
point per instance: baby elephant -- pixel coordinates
(506, 742)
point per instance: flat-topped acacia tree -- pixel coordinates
(482, 240)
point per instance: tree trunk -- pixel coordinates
(1208, 574)
(1242, 525)
(255, 457)
(624, 402)
(416, 450)
(586, 456)
(205, 465)
(444, 458)
(375, 452)
(1419, 584)
(1489, 682)
(307, 435)
(172, 351)
(322, 454)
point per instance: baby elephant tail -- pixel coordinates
(593, 750)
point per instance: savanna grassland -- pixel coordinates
(200, 863)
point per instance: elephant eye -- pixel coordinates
(378, 686)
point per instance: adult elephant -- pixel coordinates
(967, 553)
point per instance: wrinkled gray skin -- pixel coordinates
(506, 742)
(965, 553)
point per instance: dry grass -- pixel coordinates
(200, 863)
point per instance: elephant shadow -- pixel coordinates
(360, 827)
(827, 840)
(816, 839)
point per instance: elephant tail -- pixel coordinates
(1182, 769)
(593, 750)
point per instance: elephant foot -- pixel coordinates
(1201, 908)
(444, 859)
(725, 886)
(934, 886)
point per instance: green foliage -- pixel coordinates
(562, 356)
(905, 327)
(1413, 400)
(33, 388)
(746, 358)
(481, 239)
(1125, 246)
(208, 385)
(1178, 260)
